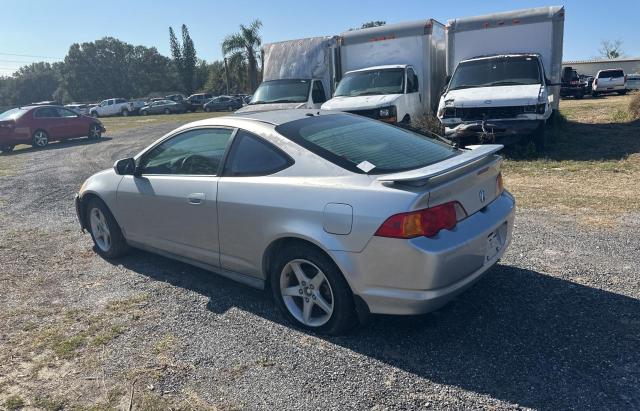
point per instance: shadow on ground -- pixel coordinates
(518, 335)
(58, 145)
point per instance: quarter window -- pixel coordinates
(252, 156)
(194, 152)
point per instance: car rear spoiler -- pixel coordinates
(475, 153)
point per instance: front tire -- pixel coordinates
(167, 111)
(207, 109)
(105, 231)
(95, 132)
(311, 292)
(125, 113)
(7, 149)
(40, 139)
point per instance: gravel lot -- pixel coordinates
(555, 325)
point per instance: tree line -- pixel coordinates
(110, 67)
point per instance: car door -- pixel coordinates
(170, 204)
(245, 202)
(49, 120)
(72, 124)
(414, 100)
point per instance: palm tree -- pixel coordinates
(245, 46)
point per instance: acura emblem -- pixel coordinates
(487, 102)
(482, 196)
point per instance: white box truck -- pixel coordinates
(505, 75)
(296, 74)
(392, 73)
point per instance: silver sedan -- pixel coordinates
(340, 215)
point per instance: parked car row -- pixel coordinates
(39, 124)
(604, 82)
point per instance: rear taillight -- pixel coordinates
(427, 222)
(499, 185)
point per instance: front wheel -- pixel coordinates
(311, 292)
(95, 132)
(95, 114)
(7, 149)
(207, 109)
(125, 113)
(104, 229)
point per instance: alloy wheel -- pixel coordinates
(40, 138)
(100, 229)
(306, 293)
(95, 132)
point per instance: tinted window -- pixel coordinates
(318, 95)
(349, 141)
(282, 91)
(194, 152)
(387, 81)
(46, 112)
(502, 71)
(63, 112)
(252, 156)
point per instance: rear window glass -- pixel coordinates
(358, 144)
(12, 114)
(611, 74)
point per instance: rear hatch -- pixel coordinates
(471, 179)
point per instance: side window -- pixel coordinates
(110, 102)
(194, 152)
(317, 94)
(252, 156)
(46, 112)
(412, 81)
(63, 112)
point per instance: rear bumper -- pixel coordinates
(394, 276)
(500, 129)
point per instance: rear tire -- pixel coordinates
(95, 114)
(7, 149)
(315, 282)
(207, 109)
(167, 111)
(105, 231)
(40, 139)
(125, 113)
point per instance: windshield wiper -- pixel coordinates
(504, 83)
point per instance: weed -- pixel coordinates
(14, 402)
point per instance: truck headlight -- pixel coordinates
(387, 112)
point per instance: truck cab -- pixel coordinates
(497, 97)
(390, 93)
(287, 94)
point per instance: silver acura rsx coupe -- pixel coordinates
(338, 214)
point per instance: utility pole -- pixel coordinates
(226, 74)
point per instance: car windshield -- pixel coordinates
(12, 114)
(282, 91)
(363, 145)
(501, 71)
(371, 82)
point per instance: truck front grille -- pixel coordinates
(481, 113)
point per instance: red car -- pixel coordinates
(38, 125)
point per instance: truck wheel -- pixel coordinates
(95, 114)
(622, 92)
(125, 113)
(406, 121)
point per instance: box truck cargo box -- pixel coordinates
(296, 74)
(505, 73)
(392, 72)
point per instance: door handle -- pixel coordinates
(196, 198)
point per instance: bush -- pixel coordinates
(634, 107)
(427, 124)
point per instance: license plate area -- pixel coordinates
(495, 242)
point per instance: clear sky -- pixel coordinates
(48, 28)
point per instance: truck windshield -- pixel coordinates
(282, 91)
(501, 71)
(371, 82)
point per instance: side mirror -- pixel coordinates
(125, 167)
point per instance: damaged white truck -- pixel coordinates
(505, 74)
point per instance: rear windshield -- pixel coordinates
(12, 114)
(282, 91)
(358, 144)
(611, 74)
(501, 71)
